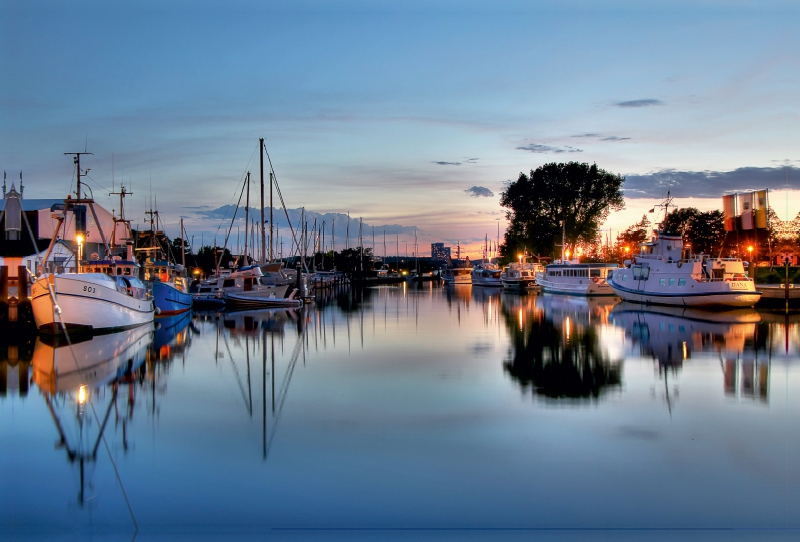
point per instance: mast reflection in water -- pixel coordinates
(398, 406)
(556, 350)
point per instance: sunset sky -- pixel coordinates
(408, 114)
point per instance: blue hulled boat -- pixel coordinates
(169, 286)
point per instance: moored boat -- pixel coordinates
(665, 273)
(457, 272)
(89, 301)
(169, 287)
(486, 274)
(521, 276)
(575, 278)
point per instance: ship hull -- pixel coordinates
(86, 305)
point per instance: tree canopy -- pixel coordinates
(705, 232)
(579, 194)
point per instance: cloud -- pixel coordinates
(479, 192)
(640, 103)
(466, 161)
(547, 149)
(222, 217)
(707, 184)
(601, 137)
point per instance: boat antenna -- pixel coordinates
(77, 161)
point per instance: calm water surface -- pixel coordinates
(392, 407)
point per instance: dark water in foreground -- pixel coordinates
(453, 411)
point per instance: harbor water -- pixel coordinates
(397, 411)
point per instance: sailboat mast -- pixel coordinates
(271, 255)
(246, 218)
(263, 233)
(183, 247)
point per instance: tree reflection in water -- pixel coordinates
(555, 353)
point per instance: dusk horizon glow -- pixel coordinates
(412, 116)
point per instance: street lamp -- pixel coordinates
(750, 251)
(79, 239)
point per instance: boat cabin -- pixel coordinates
(124, 268)
(579, 270)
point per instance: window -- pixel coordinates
(228, 283)
(662, 282)
(594, 273)
(672, 282)
(681, 282)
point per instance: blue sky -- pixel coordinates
(394, 111)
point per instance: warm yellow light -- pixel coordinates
(196, 271)
(627, 249)
(79, 239)
(567, 253)
(567, 327)
(82, 395)
(519, 256)
(750, 249)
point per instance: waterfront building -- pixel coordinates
(439, 252)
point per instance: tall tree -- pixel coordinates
(705, 232)
(578, 194)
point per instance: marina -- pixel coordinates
(309, 411)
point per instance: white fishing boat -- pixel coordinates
(89, 301)
(574, 278)
(103, 295)
(665, 273)
(521, 276)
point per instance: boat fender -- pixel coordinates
(680, 264)
(158, 310)
(596, 279)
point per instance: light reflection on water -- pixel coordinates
(403, 407)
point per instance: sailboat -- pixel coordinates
(102, 295)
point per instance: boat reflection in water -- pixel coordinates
(556, 349)
(249, 336)
(73, 380)
(172, 337)
(59, 366)
(672, 335)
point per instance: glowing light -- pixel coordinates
(79, 239)
(82, 395)
(685, 352)
(567, 254)
(627, 249)
(567, 327)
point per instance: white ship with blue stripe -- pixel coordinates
(667, 273)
